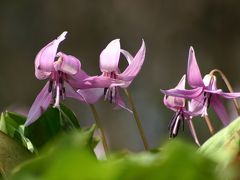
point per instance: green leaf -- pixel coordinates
(51, 123)
(11, 125)
(11, 153)
(67, 113)
(224, 148)
(65, 153)
(177, 160)
(71, 158)
(224, 145)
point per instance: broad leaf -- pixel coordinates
(12, 125)
(224, 145)
(12, 153)
(52, 122)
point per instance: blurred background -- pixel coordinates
(168, 28)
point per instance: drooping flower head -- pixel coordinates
(58, 68)
(205, 92)
(182, 114)
(111, 77)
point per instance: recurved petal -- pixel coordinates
(67, 64)
(127, 55)
(135, 66)
(181, 84)
(109, 57)
(219, 109)
(45, 58)
(40, 105)
(194, 76)
(193, 93)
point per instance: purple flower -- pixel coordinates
(58, 68)
(178, 105)
(204, 93)
(111, 78)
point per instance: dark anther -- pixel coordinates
(50, 86)
(176, 121)
(54, 94)
(204, 96)
(63, 90)
(105, 91)
(172, 120)
(209, 100)
(111, 96)
(182, 118)
(60, 80)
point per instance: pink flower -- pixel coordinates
(204, 93)
(182, 114)
(111, 78)
(58, 68)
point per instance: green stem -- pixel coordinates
(137, 119)
(98, 122)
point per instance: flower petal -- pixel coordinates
(77, 81)
(119, 101)
(219, 109)
(210, 82)
(193, 93)
(173, 102)
(109, 57)
(127, 55)
(71, 93)
(194, 76)
(182, 82)
(82, 81)
(169, 102)
(92, 95)
(135, 66)
(40, 105)
(224, 94)
(67, 64)
(196, 106)
(229, 95)
(45, 58)
(88, 96)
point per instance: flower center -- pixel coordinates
(56, 87)
(207, 99)
(110, 92)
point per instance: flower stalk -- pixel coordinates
(137, 119)
(209, 124)
(101, 132)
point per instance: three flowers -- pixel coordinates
(67, 79)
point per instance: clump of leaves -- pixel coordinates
(71, 157)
